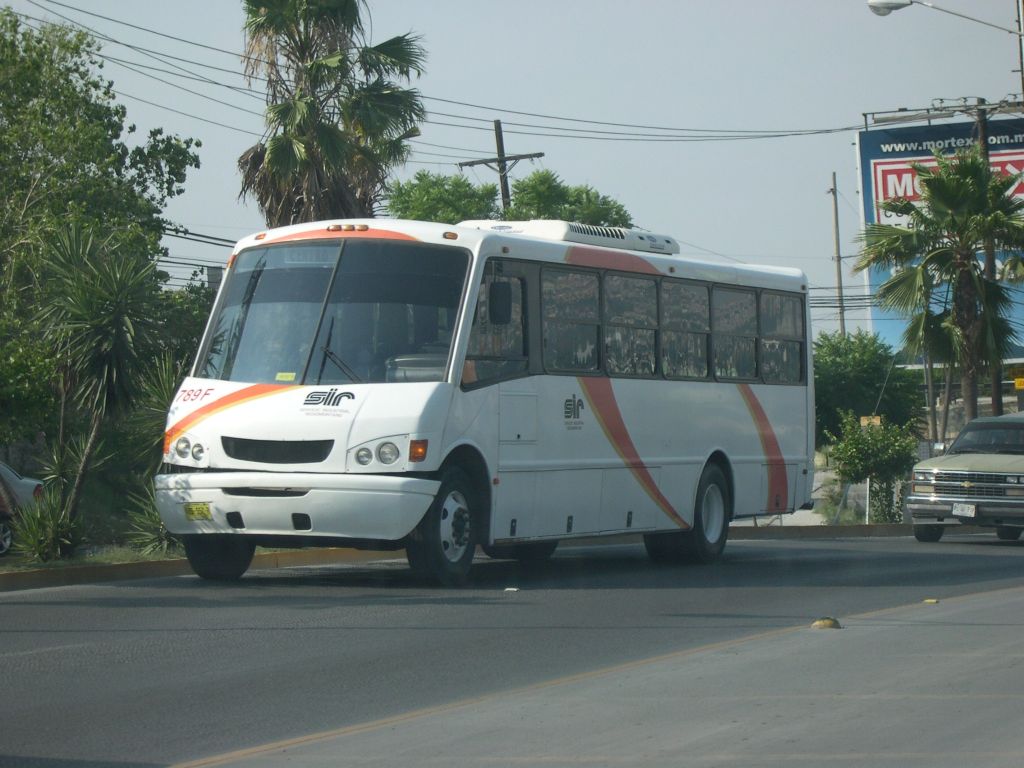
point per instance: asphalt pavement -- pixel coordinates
(931, 684)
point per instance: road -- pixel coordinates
(165, 671)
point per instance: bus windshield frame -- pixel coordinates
(337, 311)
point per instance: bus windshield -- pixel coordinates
(336, 312)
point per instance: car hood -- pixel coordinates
(975, 462)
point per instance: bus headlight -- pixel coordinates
(364, 456)
(198, 451)
(388, 453)
(183, 447)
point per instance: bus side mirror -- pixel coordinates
(499, 303)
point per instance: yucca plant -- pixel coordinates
(148, 533)
(44, 531)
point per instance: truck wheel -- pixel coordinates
(928, 533)
(220, 558)
(443, 544)
(1008, 532)
(711, 514)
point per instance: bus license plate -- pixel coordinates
(198, 510)
(963, 510)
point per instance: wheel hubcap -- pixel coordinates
(712, 513)
(455, 526)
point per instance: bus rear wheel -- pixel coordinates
(219, 558)
(711, 514)
(704, 541)
(443, 544)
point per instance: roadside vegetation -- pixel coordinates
(93, 341)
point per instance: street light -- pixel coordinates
(885, 7)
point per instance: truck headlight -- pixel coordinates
(364, 456)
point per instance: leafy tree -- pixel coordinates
(64, 159)
(447, 199)
(337, 117)
(543, 195)
(881, 454)
(964, 206)
(857, 372)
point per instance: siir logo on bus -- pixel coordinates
(332, 397)
(573, 408)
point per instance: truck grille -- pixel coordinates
(971, 485)
(277, 451)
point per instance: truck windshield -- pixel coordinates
(990, 437)
(332, 312)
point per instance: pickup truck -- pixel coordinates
(979, 480)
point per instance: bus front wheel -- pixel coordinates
(443, 544)
(220, 558)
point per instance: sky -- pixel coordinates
(783, 66)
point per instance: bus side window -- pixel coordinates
(497, 341)
(782, 342)
(734, 332)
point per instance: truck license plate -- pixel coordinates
(964, 510)
(198, 510)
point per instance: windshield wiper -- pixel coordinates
(334, 358)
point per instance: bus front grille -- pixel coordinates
(277, 451)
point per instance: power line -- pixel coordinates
(700, 134)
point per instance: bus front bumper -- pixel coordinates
(383, 507)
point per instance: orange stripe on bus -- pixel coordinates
(228, 401)
(324, 234)
(599, 394)
(778, 485)
(582, 256)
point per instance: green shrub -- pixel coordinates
(148, 533)
(881, 454)
(44, 531)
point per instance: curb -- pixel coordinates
(95, 574)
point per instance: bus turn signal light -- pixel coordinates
(417, 450)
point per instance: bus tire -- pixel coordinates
(928, 534)
(443, 544)
(219, 558)
(533, 551)
(712, 511)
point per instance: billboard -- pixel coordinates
(886, 158)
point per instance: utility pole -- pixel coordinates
(995, 366)
(839, 259)
(501, 164)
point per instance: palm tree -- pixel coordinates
(98, 324)
(337, 117)
(963, 205)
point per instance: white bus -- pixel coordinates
(396, 384)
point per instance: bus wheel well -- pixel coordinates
(472, 463)
(722, 462)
